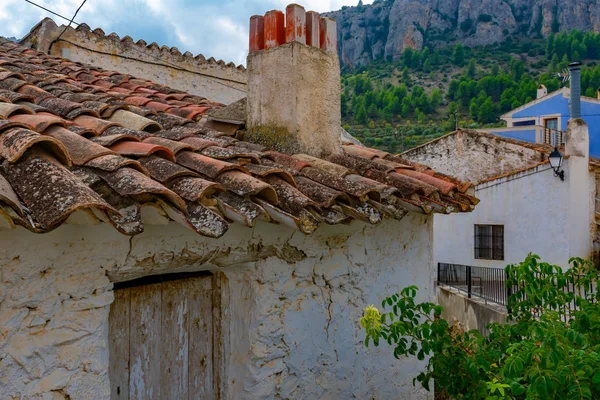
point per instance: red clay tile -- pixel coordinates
(158, 106)
(134, 121)
(34, 92)
(10, 74)
(364, 152)
(58, 106)
(245, 185)
(12, 84)
(444, 186)
(290, 199)
(138, 101)
(80, 149)
(50, 191)
(120, 90)
(172, 145)
(165, 171)
(113, 162)
(357, 189)
(9, 197)
(198, 143)
(128, 182)
(407, 185)
(14, 142)
(144, 90)
(231, 152)
(137, 149)
(109, 140)
(324, 196)
(195, 189)
(8, 109)
(188, 113)
(205, 165)
(264, 171)
(292, 163)
(96, 124)
(38, 122)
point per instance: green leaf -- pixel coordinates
(517, 389)
(596, 380)
(541, 386)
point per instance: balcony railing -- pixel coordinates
(488, 284)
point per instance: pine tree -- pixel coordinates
(472, 68)
(361, 115)
(458, 55)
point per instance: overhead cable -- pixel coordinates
(66, 27)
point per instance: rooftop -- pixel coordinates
(80, 144)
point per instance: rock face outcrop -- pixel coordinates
(387, 27)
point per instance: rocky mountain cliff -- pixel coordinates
(387, 27)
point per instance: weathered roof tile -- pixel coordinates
(142, 157)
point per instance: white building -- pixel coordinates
(145, 255)
(524, 207)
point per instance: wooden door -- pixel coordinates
(161, 341)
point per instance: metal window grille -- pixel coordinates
(489, 242)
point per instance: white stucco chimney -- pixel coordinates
(294, 82)
(542, 91)
(580, 215)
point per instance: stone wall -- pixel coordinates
(469, 313)
(292, 305)
(210, 78)
(474, 156)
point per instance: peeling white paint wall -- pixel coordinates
(293, 311)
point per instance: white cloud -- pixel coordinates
(215, 28)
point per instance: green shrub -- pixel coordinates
(538, 356)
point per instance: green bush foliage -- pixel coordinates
(537, 356)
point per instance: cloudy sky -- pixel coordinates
(215, 28)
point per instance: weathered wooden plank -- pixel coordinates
(220, 304)
(175, 341)
(201, 336)
(118, 345)
(145, 343)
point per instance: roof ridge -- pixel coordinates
(541, 147)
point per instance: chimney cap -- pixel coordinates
(575, 64)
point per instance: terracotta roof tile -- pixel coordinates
(52, 203)
(9, 109)
(15, 142)
(163, 170)
(111, 163)
(129, 182)
(137, 149)
(38, 122)
(141, 157)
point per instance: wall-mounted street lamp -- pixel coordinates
(556, 160)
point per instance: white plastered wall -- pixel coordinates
(294, 304)
(533, 206)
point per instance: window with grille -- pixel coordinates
(489, 242)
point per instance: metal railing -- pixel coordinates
(554, 137)
(488, 284)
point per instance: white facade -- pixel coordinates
(534, 207)
(292, 318)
